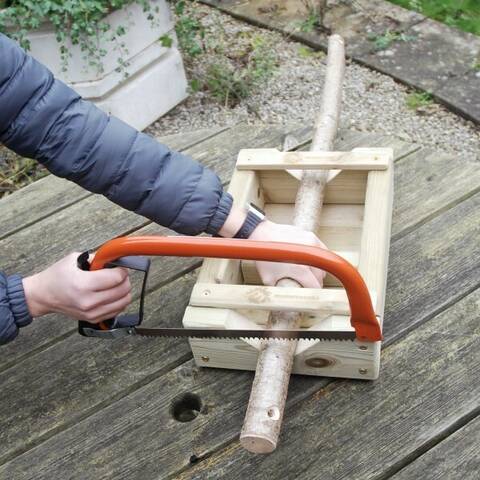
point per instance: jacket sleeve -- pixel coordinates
(13, 307)
(42, 118)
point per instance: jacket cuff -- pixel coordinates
(221, 214)
(17, 301)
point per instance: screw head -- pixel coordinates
(362, 371)
(205, 358)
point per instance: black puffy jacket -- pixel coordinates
(42, 118)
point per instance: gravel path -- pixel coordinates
(372, 101)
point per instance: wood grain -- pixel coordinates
(79, 375)
(449, 180)
(456, 457)
(366, 427)
(366, 430)
(272, 159)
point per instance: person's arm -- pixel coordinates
(14, 312)
(42, 118)
(61, 288)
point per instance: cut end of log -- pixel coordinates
(255, 443)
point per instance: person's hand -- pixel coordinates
(64, 288)
(272, 272)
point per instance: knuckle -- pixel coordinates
(127, 289)
(90, 317)
(86, 305)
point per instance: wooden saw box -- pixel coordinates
(355, 223)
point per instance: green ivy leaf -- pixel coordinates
(166, 41)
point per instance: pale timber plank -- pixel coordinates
(375, 242)
(328, 300)
(272, 159)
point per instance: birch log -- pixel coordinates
(264, 415)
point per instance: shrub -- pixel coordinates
(81, 21)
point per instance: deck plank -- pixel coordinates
(51, 194)
(456, 457)
(362, 429)
(448, 179)
(433, 266)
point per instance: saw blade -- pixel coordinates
(232, 334)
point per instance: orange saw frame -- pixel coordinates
(362, 314)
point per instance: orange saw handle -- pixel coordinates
(363, 319)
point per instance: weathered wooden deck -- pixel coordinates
(76, 408)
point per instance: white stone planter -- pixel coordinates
(153, 82)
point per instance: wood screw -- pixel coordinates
(363, 371)
(363, 347)
(205, 359)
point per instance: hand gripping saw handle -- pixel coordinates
(124, 250)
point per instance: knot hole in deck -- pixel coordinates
(186, 407)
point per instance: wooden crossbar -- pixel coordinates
(273, 159)
(332, 301)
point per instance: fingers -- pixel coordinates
(109, 310)
(306, 278)
(319, 275)
(106, 278)
(104, 297)
(113, 309)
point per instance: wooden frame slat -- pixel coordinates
(273, 159)
(328, 300)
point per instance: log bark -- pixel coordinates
(266, 406)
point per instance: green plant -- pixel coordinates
(230, 84)
(166, 40)
(189, 30)
(315, 15)
(82, 22)
(383, 41)
(416, 100)
(229, 70)
(307, 52)
(16, 172)
(462, 14)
